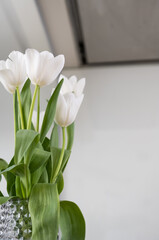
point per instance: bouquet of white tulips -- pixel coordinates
(36, 170)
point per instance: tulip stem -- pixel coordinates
(61, 157)
(32, 107)
(15, 122)
(38, 110)
(20, 108)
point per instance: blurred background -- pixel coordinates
(113, 173)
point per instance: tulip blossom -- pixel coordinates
(43, 68)
(69, 100)
(72, 85)
(13, 71)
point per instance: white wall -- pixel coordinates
(113, 171)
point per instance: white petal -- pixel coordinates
(79, 87)
(7, 79)
(73, 81)
(61, 111)
(32, 64)
(73, 104)
(16, 63)
(57, 66)
(2, 65)
(66, 86)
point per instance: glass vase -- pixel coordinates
(15, 220)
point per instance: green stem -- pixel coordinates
(38, 110)
(22, 189)
(20, 108)
(15, 123)
(32, 107)
(61, 157)
(27, 182)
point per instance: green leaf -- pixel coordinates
(55, 155)
(50, 112)
(46, 144)
(72, 223)
(54, 139)
(39, 158)
(24, 142)
(38, 164)
(11, 180)
(70, 136)
(1, 194)
(18, 170)
(44, 177)
(5, 199)
(26, 101)
(60, 183)
(3, 165)
(44, 211)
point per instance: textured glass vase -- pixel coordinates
(15, 220)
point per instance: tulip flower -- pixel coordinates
(67, 108)
(13, 71)
(72, 85)
(69, 100)
(43, 68)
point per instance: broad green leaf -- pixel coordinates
(35, 144)
(44, 177)
(24, 140)
(54, 139)
(44, 211)
(38, 164)
(26, 101)
(72, 223)
(39, 158)
(70, 136)
(18, 170)
(50, 112)
(11, 180)
(49, 166)
(55, 155)
(5, 199)
(60, 183)
(46, 144)
(65, 159)
(3, 165)
(1, 194)
(35, 176)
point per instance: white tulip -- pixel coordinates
(13, 71)
(69, 100)
(34, 118)
(72, 85)
(43, 68)
(67, 108)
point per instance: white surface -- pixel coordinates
(59, 28)
(113, 171)
(24, 26)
